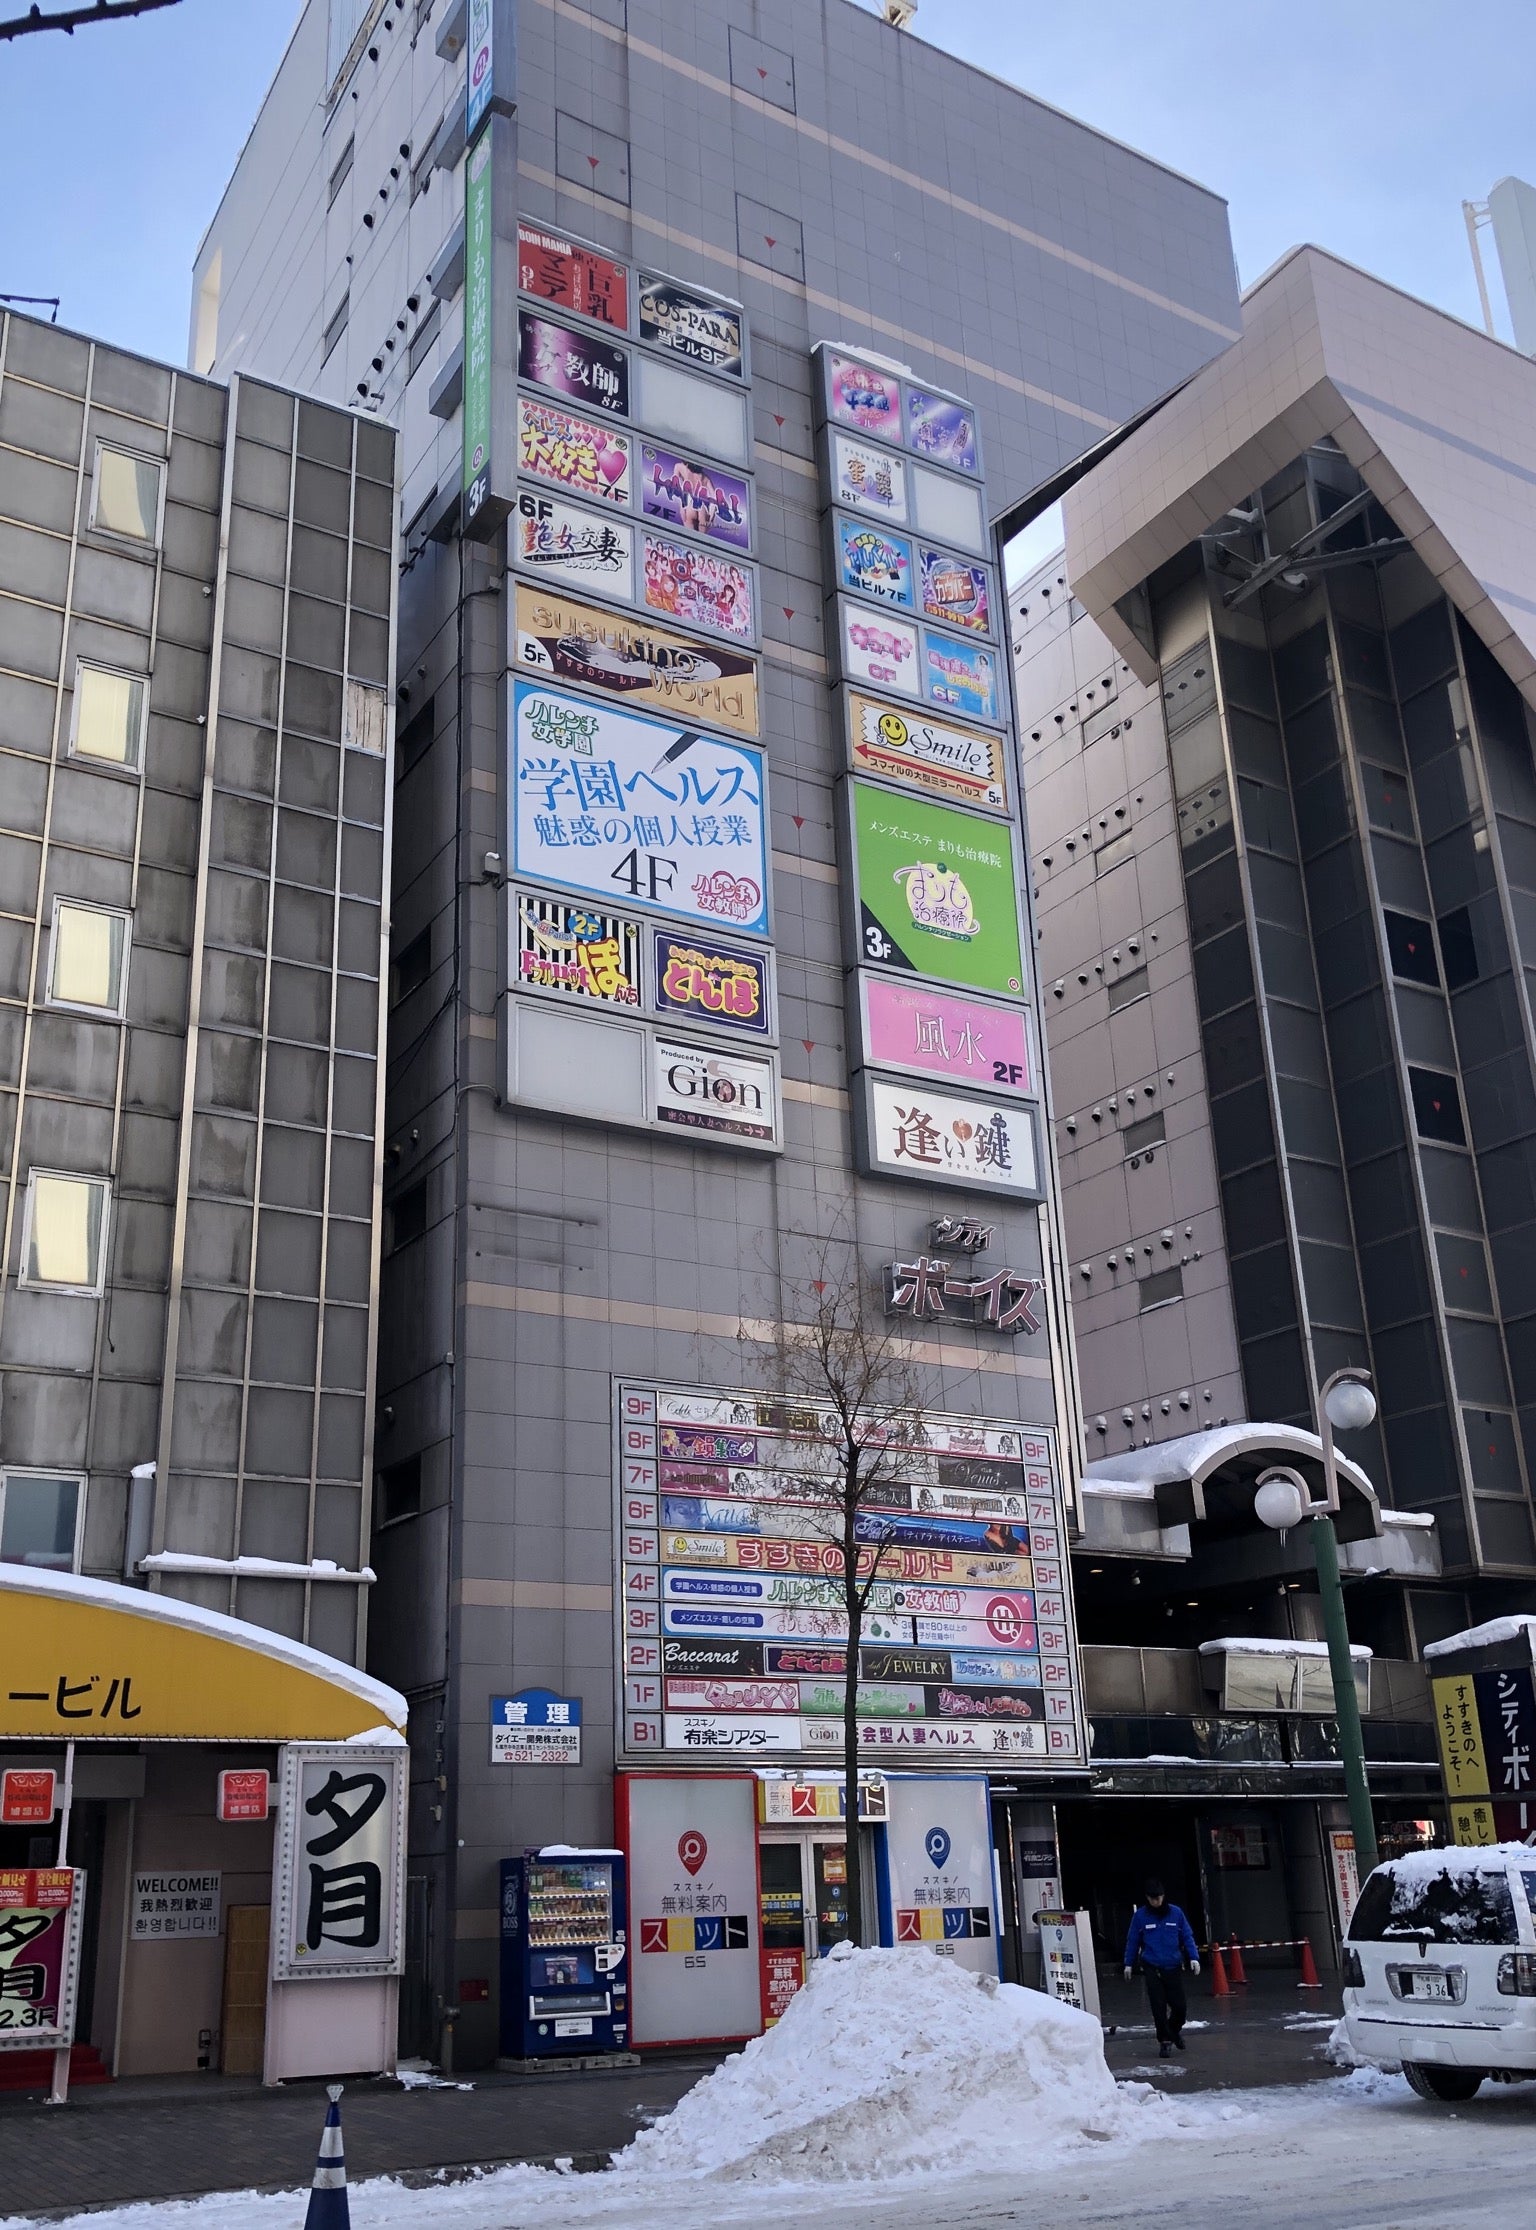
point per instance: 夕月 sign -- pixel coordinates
(936, 892)
(337, 1881)
(535, 1727)
(638, 811)
(41, 1910)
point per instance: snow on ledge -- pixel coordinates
(1478, 1637)
(254, 1567)
(1265, 1645)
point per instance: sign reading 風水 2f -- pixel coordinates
(337, 1901)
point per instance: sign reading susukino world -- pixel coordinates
(636, 811)
(733, 1640)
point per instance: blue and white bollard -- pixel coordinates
(328, 2193)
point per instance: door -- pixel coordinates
(243, 2026)
(829, 1913)
(783, 1922)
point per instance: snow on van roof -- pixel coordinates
(1479, 1637)
(1457, 1858)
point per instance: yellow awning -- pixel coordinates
(86, 1660)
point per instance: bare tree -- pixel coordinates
(846, 1373)
(68, 19)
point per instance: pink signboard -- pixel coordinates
(910, 1027)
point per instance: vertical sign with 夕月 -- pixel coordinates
(337, 1901)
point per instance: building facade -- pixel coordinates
(1275, 703)
(196, 647)
(758, 320)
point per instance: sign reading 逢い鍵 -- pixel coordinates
(636, 811)
(984, 1143)
(734, 1639)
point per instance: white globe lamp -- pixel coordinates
(1350, 1405)
(1279, 1501)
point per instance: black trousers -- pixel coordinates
(1165, 1995)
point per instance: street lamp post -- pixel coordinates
(1282, 1500)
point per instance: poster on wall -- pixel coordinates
(863, 396)
(942, 429)
(691, 1843)
(960, 677)
(637, 811)
(691, 325)
(565, 542)
(873, 562)
(699, 588)
(909, 1026)
(570, 362)
(625, 655)
(572, 452)
(936, 891)
(572, 276)
(723, 1094)
(734, 1641)
(339, 1870)
(701, 980)
(42, 1909)
(703, 499)
(954, 589)
(574, 951)
(938, 1884)
(923, 752)
(879, 648)
(174, 1904)
(868, 479)
(985, 1144)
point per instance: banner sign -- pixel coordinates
(861, 396)
(625, 655)
(955, 590)
(572, 363)
(1486, 1724)
(926, 754)
(907, 1026)
(41, 1911)
(942, 430)
(575, 952)
(339, 1869)
(571, 452)
(987, 1145)
(564, 541)
(691, 325)
(638, 811)
(965, 1650)
(573, 277)
(874, 563)
(479, 73)
(879, 648)
(479, 258)
(704, 499)
(938, 1863)
(699, 982)
(697, 1087)
(535, 1727)
(868, 480)
(691, 1842)
(698, 587)
(960, 677)
(936, 892)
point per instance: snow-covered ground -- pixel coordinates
(897, 2085)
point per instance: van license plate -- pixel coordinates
(1431, 1986)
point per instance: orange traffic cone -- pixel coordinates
(1239, 1972)
(1220, 1987)
(1309, 1977)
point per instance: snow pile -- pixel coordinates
(896, 2062)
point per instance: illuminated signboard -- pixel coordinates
(926, 753)
(875, 563)
(691, 325)
(571, 452)
(571, 276)
(908, 1026)
(984, 1143)
(626, 655)
(703, 499)
(697, 587)
(574, 951)
(565, 542)
(702, 980)
(734, 1641)
(572, 363)
(936, 892)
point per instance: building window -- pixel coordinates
(1125, 990)
(410, 967)
(399, 1491)
(407, 1215)
(341, 173)
(336, 327)
(64, 1236)
(1437, 1106)
(1410, 948)
(125, 499)
(87, 957)
(40, 1519)
(109, 716)
(1458, 948)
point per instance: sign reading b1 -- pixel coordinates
(535, 1727)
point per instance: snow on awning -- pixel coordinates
(1200, 1476)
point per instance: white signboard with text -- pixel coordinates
(691, 1842)
(939, 1877)
(337, 1904)
(176, 1904)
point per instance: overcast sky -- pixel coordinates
(1360, 124)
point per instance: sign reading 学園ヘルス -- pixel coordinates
(535, 1727)
(174, 1904)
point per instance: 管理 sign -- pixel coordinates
(936, 892)
(536, 1727)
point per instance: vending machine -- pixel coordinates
(564, 1963)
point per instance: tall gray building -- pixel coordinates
(595, 1181)
(197, 594)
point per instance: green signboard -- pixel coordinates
(936, 892)
(478, 254)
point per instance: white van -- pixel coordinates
(1440, 1968)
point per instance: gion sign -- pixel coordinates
(734, 1638)
(572, 277)
(943, 1034)
(691, 325)
(936, 891)
(926, 753)
(624, 655)
(637, 811)
(723, 1094)
(945, 1138)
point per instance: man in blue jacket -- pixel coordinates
(1162, 1939)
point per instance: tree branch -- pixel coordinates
(66, 19)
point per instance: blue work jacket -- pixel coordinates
(1162, 1939)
